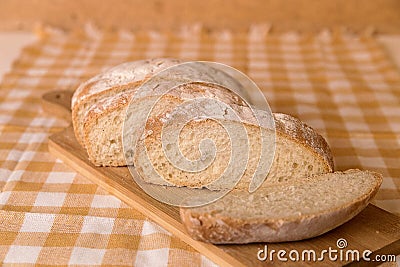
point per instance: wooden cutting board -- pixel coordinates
(373, 229)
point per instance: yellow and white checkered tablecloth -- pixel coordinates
(342, 85)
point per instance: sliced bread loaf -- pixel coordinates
(298, 210)
(99, 111)
(300, 151)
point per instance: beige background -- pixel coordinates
(300, 15)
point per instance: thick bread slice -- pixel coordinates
(124, 77)
(300, 151)
(103, 127)
(286, 212)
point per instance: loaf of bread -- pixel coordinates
(99, 108)
(300, 209)
(300, 196)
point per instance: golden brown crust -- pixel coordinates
(125, 73)
(298, 131)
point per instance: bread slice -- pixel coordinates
(299, 150)
(124, 77)
(298, 210)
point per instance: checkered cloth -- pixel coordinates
(342, 85)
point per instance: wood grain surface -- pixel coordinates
(373, 229)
